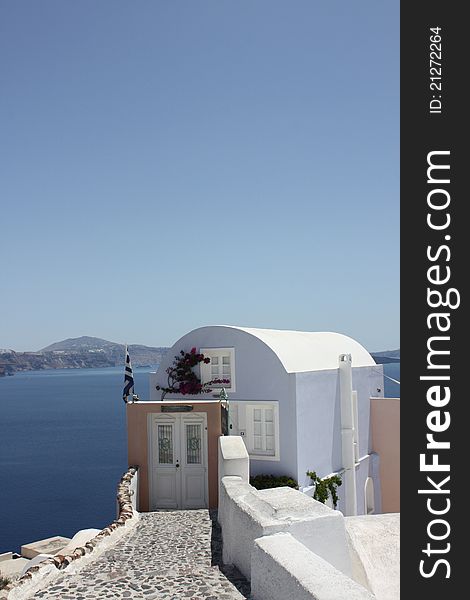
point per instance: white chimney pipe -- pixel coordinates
(347, 432)
(356, 427)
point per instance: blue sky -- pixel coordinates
(167, 165)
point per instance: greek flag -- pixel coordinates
(128, 378)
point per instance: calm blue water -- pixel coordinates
(392, 390)
(63, 449)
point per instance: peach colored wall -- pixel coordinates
(138, 452)
(385, 429)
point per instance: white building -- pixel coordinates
(300, 400)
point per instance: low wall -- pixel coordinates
(42, 574)
(284, 569)
(292, 547)
(374, 541)
(246, 514)
(128, 491)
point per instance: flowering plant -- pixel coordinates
(183, 380)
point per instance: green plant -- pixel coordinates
(325, 487)
(264, 482)
(4, 581)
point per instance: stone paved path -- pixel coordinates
(169, 555)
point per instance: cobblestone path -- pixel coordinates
(169, 555)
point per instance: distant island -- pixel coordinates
(93, 353)
(79, 353)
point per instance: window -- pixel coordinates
(165, 444)
(222, 366)
(262, 431)
(193, 444)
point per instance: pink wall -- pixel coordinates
(138, 452)
(385, 430)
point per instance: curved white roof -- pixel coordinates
(310, 351)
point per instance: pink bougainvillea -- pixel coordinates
(183, 380)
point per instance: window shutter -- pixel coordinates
(260, 429)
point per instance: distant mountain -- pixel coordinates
(92, 352)
(81, 343)
(140, 355)
(386, 356)
(75, 353)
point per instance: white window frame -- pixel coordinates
(249, 429)
(206, 369)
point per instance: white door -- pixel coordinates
(178, 461)
(164, 464)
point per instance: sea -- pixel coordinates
(392, 372)
(63, 449)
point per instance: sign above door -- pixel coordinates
(178, 408)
